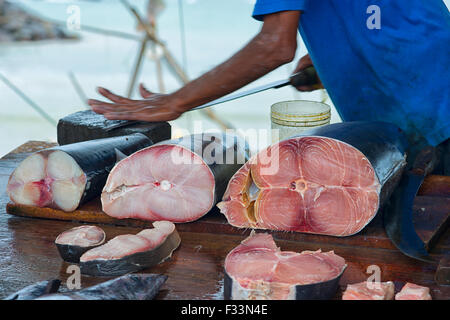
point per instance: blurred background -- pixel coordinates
(50, 53)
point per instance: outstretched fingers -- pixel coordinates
(105, 107)
(144, 92)
(113, 97)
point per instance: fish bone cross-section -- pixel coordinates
(65, 177)
(177, 180)
(330, 181)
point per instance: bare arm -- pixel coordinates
(272, 47)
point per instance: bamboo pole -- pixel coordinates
(38, 109)
(105, 32)
(159, 73)
(78, 88)
(137, 66)
(173, 64)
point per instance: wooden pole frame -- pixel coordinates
(171, 62)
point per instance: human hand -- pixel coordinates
(303, 63)
(154, 107)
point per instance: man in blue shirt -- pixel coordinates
(382, 60)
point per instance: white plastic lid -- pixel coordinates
(301, 111)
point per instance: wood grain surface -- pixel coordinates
(28, 253)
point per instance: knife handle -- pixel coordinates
(305, 77)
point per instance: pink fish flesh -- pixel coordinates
(258, 269)
(178, 180)
(315, 184)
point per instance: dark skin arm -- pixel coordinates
(272, 47)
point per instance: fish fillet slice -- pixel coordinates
(83, 236)
(369, 291)
(117, 248)
(73, 243)
(258, 269)
(128, 244)
(130, 253)
(411, 291)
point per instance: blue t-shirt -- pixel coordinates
(399, 73)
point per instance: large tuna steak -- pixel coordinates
(331, 180)
(177, 180)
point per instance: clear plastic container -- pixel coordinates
(293, 117)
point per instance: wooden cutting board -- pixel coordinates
(196, 268)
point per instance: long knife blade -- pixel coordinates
(230, 97)
(306, 77)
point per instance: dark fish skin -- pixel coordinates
(222, 172)
(316, 291)
(87, 125)
(36, 290)
(97, 157)
(383, 144)
(72, 253)
(127, 287)
(133, 262)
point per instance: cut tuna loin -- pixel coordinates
(368, 290)
(73, 243)
(330, 181)
(411, 291)
(178, 180)
(88, 125)
(130, 253)
(66, 176)
(258, 270)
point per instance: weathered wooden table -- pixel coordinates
(28, 254)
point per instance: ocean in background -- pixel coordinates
(214, 31)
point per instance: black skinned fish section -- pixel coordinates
(127, 287)
(132, 252)
(331, 180)
(66, 176)
(36, 290)
(258, 270)
(176, 180)
(74, 242)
